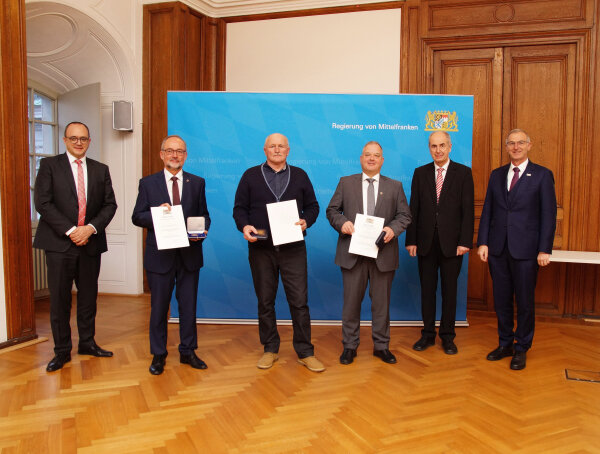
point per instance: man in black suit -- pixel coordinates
(166, 267)
(75, 199)
(516, 232)
(372, 194)
(441, 232)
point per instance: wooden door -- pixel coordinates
(529, 87)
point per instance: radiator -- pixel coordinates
(40, 273)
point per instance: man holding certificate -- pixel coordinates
(274, 205)
(369, 211)
(166, 200)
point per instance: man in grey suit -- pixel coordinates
(375, 195)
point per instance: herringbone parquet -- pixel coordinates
(427, 403)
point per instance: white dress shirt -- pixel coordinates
(511, 172)
(168, 176)
(436, 167)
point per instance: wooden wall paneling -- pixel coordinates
(410, 50)
(484, 17)
(476, 72)
(213, 75)
(193, 57)
(14, 176)
(539, 96)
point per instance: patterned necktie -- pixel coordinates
(439, 181)
(80, 193)
(176, 197)
(371, 197)
(515, 178)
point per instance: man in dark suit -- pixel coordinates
(276, 181)
(375, 195)
(516, 233)
(75, 199)
(169, 268)
(441, 232)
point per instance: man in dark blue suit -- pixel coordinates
(516, 232)
(178, 267)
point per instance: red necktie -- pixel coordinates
(80, 193)
(515, 178)
(439, 181)
(176, 197)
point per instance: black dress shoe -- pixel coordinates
(385, 355)
(449, 347)
(158, 364)
(94, 350)
(423, 343)
(518, 361)
(192, 360)
(58, 362)
(348, 356)
(499, 353)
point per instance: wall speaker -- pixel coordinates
(122, 115)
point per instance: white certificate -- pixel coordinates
(282, 220)
(366, 231)
(169, 227)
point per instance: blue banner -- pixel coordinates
(225, 134)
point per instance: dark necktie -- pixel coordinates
(515, 178)
(176, 198)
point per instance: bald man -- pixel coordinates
(271, 182)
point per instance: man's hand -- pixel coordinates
(348, 228)
(461, 250)
(247, 230)
(412, 250)
(198, 239)
(482, 252)
(543, 259)
(389, 234)
(302, 224)
(167, 206)
(80, 235)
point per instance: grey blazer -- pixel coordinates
(391, 205)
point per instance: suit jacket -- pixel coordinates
(524, 218)
(55, 198)
(453, 216)
(391, 205)
(153, 192)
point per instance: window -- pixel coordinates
(43, 136)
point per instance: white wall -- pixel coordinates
(99, 41)
(334, 53)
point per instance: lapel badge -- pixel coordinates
(528, 174)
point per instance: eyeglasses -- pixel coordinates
(75, 139)
(520, 143)
(170, 152)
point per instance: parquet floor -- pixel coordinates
(427, 403)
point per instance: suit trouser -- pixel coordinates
(267, 264)
(355, 280)
(161, 286)
(64, 268)
(512, 277)
(449, 268)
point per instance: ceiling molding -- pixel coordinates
(230, 8)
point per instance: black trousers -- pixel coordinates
(186, 291)
(64, 268)
(449, 269)
(289, 262)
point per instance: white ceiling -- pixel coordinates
(226, 8)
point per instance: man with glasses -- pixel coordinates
(516, 232)
(177, 268)
(271, 182)
(74, 196)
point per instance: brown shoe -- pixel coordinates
(267, 360)
(312, 364)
